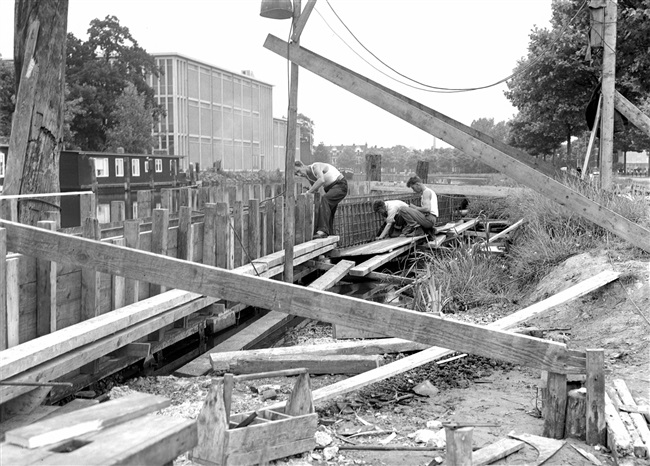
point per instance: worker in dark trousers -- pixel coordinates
(422, 219)
(335, 187)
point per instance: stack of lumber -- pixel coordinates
(628, 435)
(120, 431)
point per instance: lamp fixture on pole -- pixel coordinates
(276, 9)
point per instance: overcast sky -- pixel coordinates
(452, 43)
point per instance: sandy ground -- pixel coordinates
(470, 389)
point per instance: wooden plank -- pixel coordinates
(459, 446)
(222, 227)
(289, 298)
(496, 451)
(254, 228)
(632, 113)
(69, 361)
(15, 422)
(45, 290)
(596, 430)
(555, 403)
(319, 364)
(637, 418)
(377, 261)
(238, 232)
(144, 440)
(131, 240)
(278, 227)
(159, 242)
(497, 155)
(3, 289)
(221, 360)
(13, 303)
(184, 237)
(269, 224)
(454, 189)
(376, 247)
(87, 420)
(618, 438)
(118, 284)
(209, 234)
(341, 332)
(90, 284)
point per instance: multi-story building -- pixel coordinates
(216, 117)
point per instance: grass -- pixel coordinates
(551, 234)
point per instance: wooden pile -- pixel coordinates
(628, 435)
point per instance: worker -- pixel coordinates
(335, 187)
(390, 212)
(420, 219)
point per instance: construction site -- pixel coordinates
(217, 329)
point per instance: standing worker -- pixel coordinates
(420, 219)
(335, 186)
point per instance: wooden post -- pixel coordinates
(459, 446)
(37, 127)
(222, 228)
(87, 207)
(373, 167)
(117, 211)
(45, 290)
(159, 241)
(209, 234)
(3, 289)
(299, 231)
(118, 296)
(309, 216)
(592, 138)
(131, 240)
(422, 170)
(90, 285)
(576, 412)
(145, 200)
(279, 232)
(556, 400)
(254, 228)
(595, 384)
(166, 199)
(608, 89)
(238, 235)
(184, 237)
(13, 302)
(269, 219)
(228, 385)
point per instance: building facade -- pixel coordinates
(215, 117)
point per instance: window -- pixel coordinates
(158, 165)
(2, 164)
(119, 167)
(104, 213)
(146, 166)
(101, 167)
(135, 167)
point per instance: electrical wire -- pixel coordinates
(438, 89)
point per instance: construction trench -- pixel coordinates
(82, 304)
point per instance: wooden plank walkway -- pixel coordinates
(376, 247)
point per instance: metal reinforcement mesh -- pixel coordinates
(355, 222)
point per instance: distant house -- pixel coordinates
(636, 163)
(216, 117)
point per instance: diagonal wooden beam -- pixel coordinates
(491, 152)
(291, 299)
(632, 113)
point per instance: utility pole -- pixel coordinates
(608, 91)
(299, 21)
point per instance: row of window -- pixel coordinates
(101, 166)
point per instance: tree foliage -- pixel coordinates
(133, 122)
(552, 85)
(98, 72)
(7, 97)
(322, 153)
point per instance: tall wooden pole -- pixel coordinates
(289, 183)
(608, 90)
(37, 125)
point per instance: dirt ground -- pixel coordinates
(469, 389)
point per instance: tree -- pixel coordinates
(322, 153)
(133, 123)
(37, 125)
(98, 72)
(7, 97)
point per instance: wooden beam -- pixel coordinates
(292, 299)
(472, 142)
(87, 420)
(454, 190)
(596, 431)
(3, 289)
(496, 451)
(375, 262)
(632, 113)
(607, 88)
(319, 364)
(221, 361)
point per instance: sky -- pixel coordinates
(451, 43)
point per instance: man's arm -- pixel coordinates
(385, 231)
(426, 203)
(320, 180)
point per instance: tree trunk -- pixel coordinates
(37, 126)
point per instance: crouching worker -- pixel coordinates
(390, 211)
(422, 219)
(335, 186)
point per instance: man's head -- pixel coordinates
(415, 183)
(379, 206)
(299, 168)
